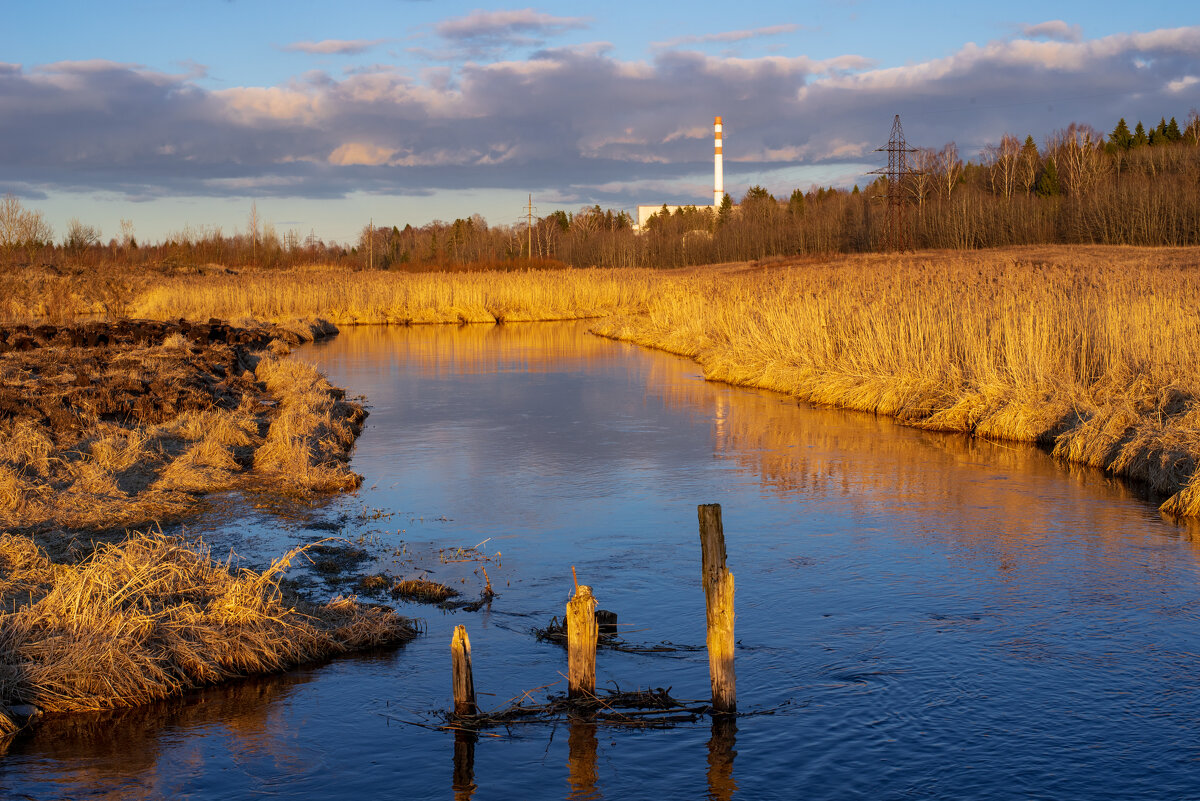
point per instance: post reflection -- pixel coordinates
(582, 747)
(463, 782)
(721, 753)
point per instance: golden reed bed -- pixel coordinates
(1093, 352)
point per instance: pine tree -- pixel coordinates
(796, 203)
(1173, 132)
(1159, 135)
(725, 211)
(1048, 184)
(1120, 136)
(1139, 135)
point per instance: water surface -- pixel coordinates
(919, 615)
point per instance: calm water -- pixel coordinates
(922, 616)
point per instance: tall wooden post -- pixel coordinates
(718, 596)
(581, 643)
(464, 682)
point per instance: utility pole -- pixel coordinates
(529, 224)
(371, 239)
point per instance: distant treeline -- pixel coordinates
(1131, 187)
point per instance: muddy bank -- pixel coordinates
(117, 425)
(112, 427)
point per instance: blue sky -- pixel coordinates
(329, 114)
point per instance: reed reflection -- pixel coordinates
(582, 748)
(123, 754)
(873, 465)
(721, 753)
(444, 350)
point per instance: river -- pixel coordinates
(919, 615)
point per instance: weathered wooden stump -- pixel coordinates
(582, 632)
(464, 681)
(718, 596)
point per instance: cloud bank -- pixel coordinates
(574, 120)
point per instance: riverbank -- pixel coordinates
(107, 427)
(1090, 351)
(1093, 353)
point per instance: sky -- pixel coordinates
(325, 116)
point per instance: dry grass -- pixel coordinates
(422, 591)
(349, 298)
(154, 616)
(149, 429)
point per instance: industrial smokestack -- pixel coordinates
(718, 169)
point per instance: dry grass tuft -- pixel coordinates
(154, 616)
(422, 591)
(306, 447)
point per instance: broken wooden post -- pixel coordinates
(464, 682)
(718, 596)
(581, 643)
(606, 623)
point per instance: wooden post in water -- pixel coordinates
(718, 596)
(581, 643)
(464, 682)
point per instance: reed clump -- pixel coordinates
(154, 616)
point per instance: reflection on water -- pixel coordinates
(582, 747)
(922, 614)
(463, 782)
(721, 753)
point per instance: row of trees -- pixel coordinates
(1131, 187)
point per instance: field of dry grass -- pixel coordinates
(350, 298)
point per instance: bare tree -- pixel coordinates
(949, 168)
(127, 239)
(252, 223)
(22, 228)
(1080, 157)
(1002, 161)
(921, 178)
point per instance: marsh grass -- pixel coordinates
(153, 616)
(348, 298)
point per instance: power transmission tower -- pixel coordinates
(529, 224)
(896, 232)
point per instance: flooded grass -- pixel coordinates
(154, 616)
(422, 591)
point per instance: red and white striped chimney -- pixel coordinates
(718, 169)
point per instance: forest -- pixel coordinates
(1079, 186)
